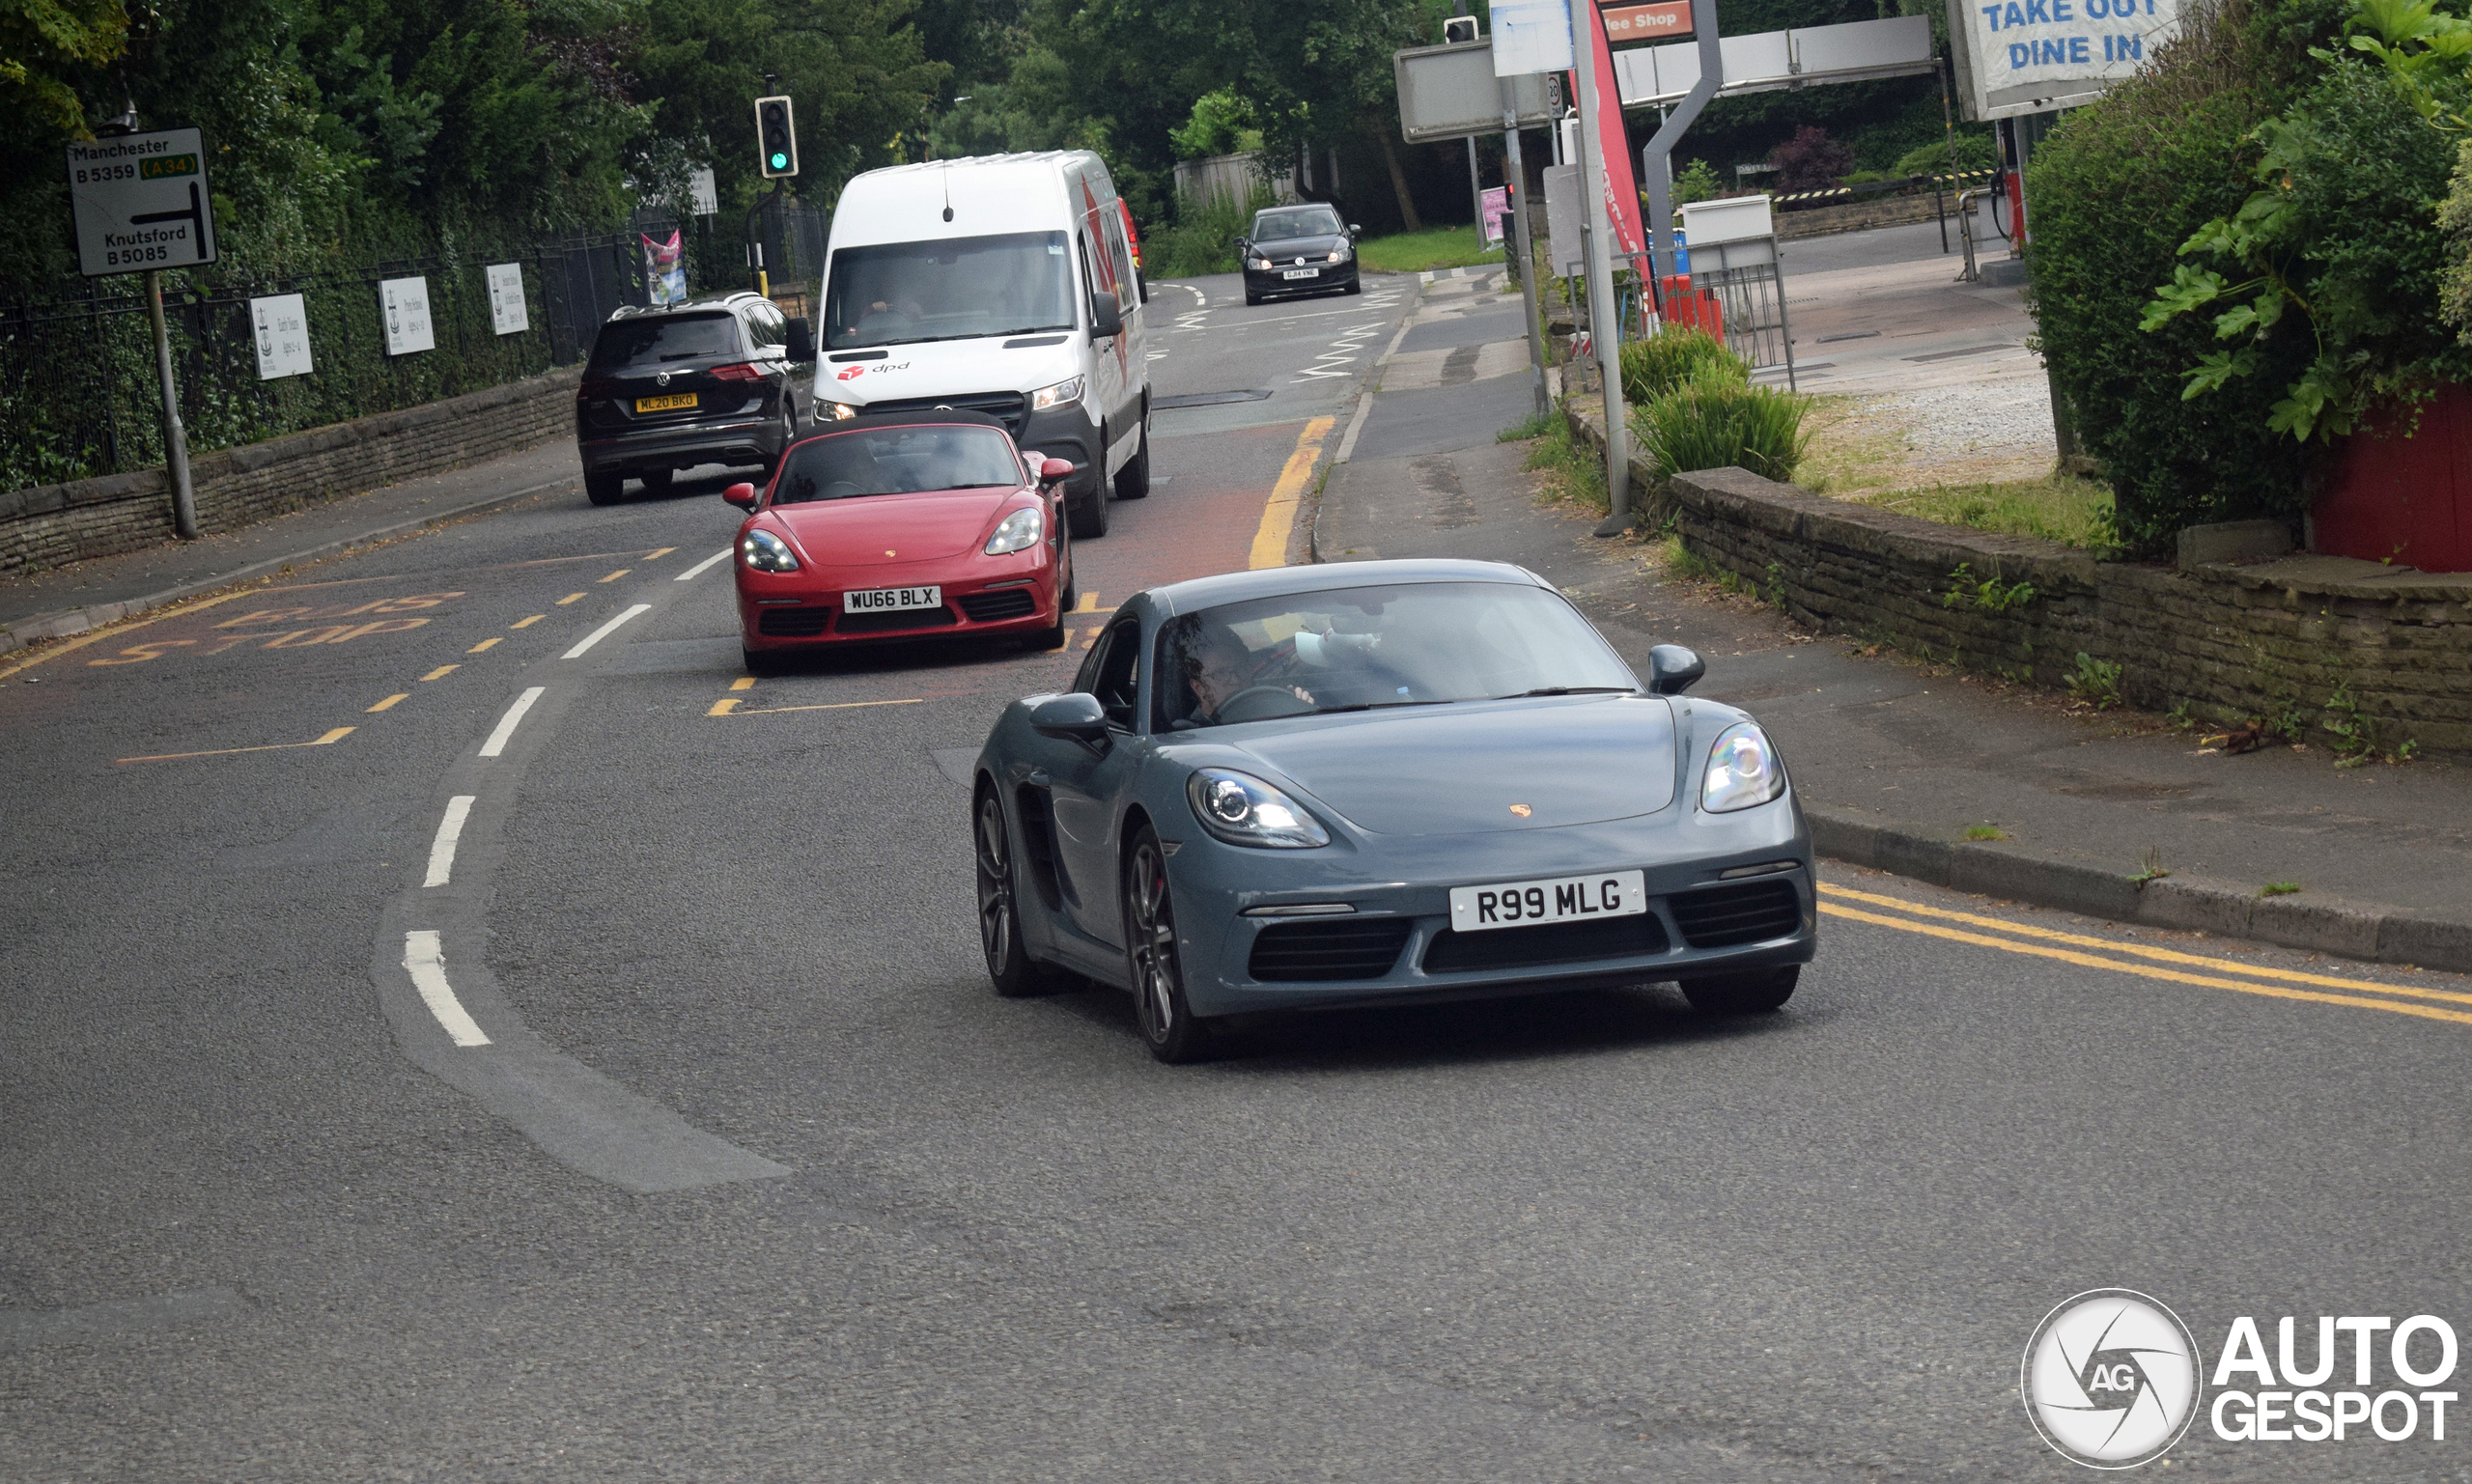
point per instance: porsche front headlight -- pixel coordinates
(1020, 531)
(1743, 771)
(764, 551)
(1242, 809)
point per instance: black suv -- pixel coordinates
(1298, 249)
(706, 381)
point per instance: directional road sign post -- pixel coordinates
(141, 206)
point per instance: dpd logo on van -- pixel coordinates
(2111, 1379)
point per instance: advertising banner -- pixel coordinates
(1665, 22)
(665, 270)
(2032, 56)
(1613, 143)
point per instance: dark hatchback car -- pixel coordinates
(1298, 249)
(676, 385)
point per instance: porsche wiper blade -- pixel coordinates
(1567, 690)
(1332, 711)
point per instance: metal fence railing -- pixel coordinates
(79, 393)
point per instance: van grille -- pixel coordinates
(1555, 942)
(1348, 948)
(1011, 406)
(1750, 913)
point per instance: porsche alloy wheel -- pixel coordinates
(1174, 1033)
(1009, 965)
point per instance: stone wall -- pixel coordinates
(51, 525)
(2230, 642)
(1863, 216)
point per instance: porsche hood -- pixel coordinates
(872, 530)
(1478, 767)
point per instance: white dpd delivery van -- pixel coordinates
(1002, 285)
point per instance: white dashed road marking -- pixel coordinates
(450, 828)
(506, 724)
(427, 965)
(704, 565)
(606, 631)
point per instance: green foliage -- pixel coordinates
(1576, 472)
(1673, 357)
(1697, 181)
(2113, 192)
(1221, 123)
(2355, 730)
(2095, 681)
(1204, 238)
(1717, 423)
(45, 45)
(2279, 889)
(2070, 510)
(1434, 247)
(1986, 833)
(1974, 152)
(1988, 595)
(1535, 426)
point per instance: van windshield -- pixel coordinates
(960, 289)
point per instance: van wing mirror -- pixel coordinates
(1107, 316)
(801, 345)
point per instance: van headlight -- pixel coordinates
(764, 551)
(1063, 394)
(833, 411)
(1743, 771)
(1020, 531)
(1242, 809)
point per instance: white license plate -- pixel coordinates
(1563, 899)
(1302, 273)
(893, 600)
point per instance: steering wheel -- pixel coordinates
(843, 490)
(1268, 693)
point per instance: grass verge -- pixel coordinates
(1572, 471)
(1420, 252)
(2062, 508)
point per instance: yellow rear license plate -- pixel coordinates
(669, 404)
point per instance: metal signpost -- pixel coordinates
(141, 206)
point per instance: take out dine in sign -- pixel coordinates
(2032, 56)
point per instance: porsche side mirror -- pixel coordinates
(1107, 316)
(801, 345)
(1054, 472)
(1077, 717)
(740, 495)
(1673, 669)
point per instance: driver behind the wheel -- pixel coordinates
(1219, 667)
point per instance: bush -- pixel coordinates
(1718, 422)
(1973, 153)
(1810, 160)
(1203, 239)
(1663, 361)
(1697, 181)
(2112, 193)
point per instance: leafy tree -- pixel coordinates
(1810, 160)
(44, 45)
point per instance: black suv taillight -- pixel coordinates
(739, 373)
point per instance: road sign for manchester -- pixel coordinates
(141, 202)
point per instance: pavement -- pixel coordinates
(1899, 761)
(755, 1179)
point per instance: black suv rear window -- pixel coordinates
(677, 338)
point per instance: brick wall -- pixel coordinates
(2230, 642)
(51, 525)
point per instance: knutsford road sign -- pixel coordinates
(141, 202)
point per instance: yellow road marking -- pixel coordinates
(1089, 603)
(615, 575)
(569, 598)
(2140, 950)
(529, 622)
(391, 700)
(1278, 516)
(107, 630)
(441, 672)
(2143, 971)
(655, 556)
(335, 735)
(728, 707)
(483, 644)
(744, 683)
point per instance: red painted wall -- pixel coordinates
(2408, 499)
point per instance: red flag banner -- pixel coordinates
(1614, 146)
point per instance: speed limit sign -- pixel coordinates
(141, 202)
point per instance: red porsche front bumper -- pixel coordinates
(974, 595)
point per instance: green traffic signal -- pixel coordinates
(780, 161)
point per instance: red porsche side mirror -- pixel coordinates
(1054, 469)
(740, 495)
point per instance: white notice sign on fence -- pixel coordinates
(507, 314)
(282, 324)
(405, 301)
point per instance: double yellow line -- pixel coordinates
(2122, 958)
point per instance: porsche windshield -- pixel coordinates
(1365, 648)
(962, 288)
(898, 460)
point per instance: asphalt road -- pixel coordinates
(755, 1179)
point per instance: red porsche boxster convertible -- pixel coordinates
(912, 527)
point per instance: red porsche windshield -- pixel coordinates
(898, 460)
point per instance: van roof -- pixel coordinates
(987, 195)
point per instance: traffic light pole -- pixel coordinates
(755, 245)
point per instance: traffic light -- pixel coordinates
(776, 140)
(1459, 28)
